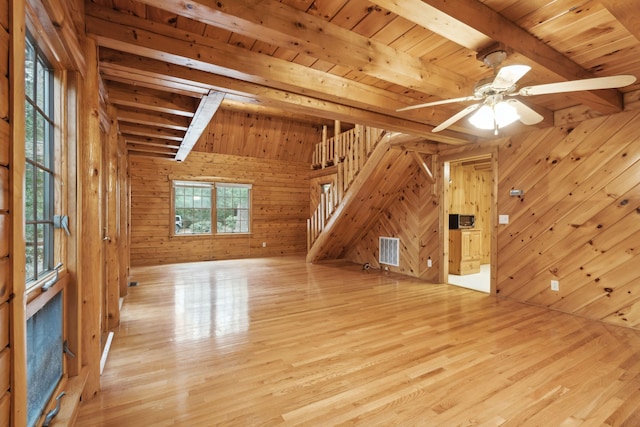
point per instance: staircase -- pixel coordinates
(364, 166)
(348, 151)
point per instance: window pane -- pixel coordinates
(30, 252)
(29, 195)
(40, 84)
(40, 139)
(39, 196)
(29, 131)
(29, 70)
(232, 209)
(40, 258)
(192, 203)
(39, 180)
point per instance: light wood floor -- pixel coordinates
(277, 341)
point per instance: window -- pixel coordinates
(194, 208)
(39, 172)
(232, 206)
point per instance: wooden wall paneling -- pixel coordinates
(4, 16)
(400, 218)
(112, 242)
(5, 140)
(5, 230)
(4, 324)
(5, 409)
(582, 225)
(73, 294)
(429, 226)
(539, 162)
(5, 369)
(280, 204)
(560, 182)
(5, 197)
(557, 162)
(576, 223)
(123, 217)
(15, 226)
(254, 135)
(90, 219)
(483, 211)
(4, 73)
(5, 279)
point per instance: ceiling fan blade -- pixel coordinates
(451, 120)
(509, 75)
(578, 85)
(528, 116)
(444, 101)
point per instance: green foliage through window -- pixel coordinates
(232, 205)
(194, 208)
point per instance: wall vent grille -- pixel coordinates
(389, 251)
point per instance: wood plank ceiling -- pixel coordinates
(356, 61)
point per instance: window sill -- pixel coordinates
(215, 235)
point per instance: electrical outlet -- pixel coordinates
(503, 219)
(555, 285)
(264, 244)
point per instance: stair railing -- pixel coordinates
(348, 151)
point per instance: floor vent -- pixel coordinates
(389, 251)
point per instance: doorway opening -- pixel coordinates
(468, 220)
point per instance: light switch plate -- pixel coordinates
(503, 219)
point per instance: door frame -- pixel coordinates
(443, 162)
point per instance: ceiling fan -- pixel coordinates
(496, 110)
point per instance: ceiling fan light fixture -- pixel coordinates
(497, 116)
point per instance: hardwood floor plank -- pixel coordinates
(276, 341)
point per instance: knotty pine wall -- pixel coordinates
(260, 136)
(5, 219)
(578, 222)
(579, 219)
(470, 193)
(272, 153)
(413, 218)
(280, 208)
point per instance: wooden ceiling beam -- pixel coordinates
(484, 20)
(159, 85)
(249, 106)
(149, 131)
(152, 142)
(151, 149)
(306, 34)
(129, 34)
(153, 119)
(295, 103)
(138, 152)
(149, 99)
(208, 106)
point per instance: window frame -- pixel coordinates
(248, 187)
(214, 185)
(194, 184)
(45, 111)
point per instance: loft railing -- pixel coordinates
(348, 152)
